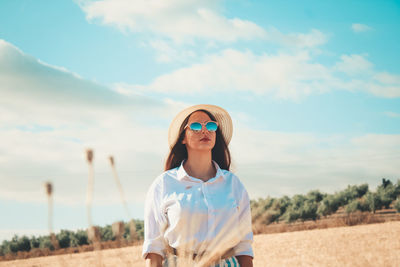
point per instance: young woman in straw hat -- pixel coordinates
(197, 209)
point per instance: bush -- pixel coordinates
(269, 216)
(309, 210)
(298, 201)
(330, 204)
(290, 215)
(35, 242)
(315, 196)
(322, 210)
(79, 238)
(387, 193)
(357, 205)
(5, 247)
(351, 193)
(373, 201)
(397, 186)
(397, 204)
(281, 204)
(64, 238)
(361, 190)
(106, 233)
(23, 244)
(256, 210)
(45, 242)
(139, 229)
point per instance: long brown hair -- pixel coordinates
(220, 152)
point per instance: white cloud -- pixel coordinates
(387, 78)
(168, 53)
(23, 77)
(277, 163)
(178, 23)
(49, 116)
(357, 27)
(385, 84)
(182, 31)
(283, 75)
(180, 20)
(354, 64)
(301, 40)
(289, 76)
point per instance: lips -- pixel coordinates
(205, 139)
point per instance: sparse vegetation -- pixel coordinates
(65, 238)
(356, 201)
(397, 204)
(316, 205)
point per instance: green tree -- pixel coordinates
(281, 204)
(13, 244)
(315, 196)
(35, 242)
(64, 238)
(356, 205)
(5, 247)
(361, 190)
(387, 192)
(270, 216)
(373, 201)
(23, 244)
(79, 238)
(291, 214)
(330, 204)
(140, 229)
(397, 204)
(322, 210)
(309, 210)
(45, 242)
(397, 186)
(2, 250)
(106, 233)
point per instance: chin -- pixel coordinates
(206, 147)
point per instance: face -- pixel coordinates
(203, 140)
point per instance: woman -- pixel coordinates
(197, 209)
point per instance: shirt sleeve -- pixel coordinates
(154, 222)
(245, 228)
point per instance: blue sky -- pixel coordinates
(313, 90)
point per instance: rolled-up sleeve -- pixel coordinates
(244, 247)
(154, 222)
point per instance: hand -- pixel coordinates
(153, 260)
(245, 260)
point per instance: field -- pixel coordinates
(361, 245)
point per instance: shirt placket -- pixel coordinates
(211, 209)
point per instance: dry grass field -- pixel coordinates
(362, 245)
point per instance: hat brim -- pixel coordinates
(220, 114)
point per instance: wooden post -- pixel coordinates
(118, 229)
(94, 234)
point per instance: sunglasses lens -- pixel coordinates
(211, 126)
(195, 126)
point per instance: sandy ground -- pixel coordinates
(362, 245)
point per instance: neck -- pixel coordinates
(199, 165)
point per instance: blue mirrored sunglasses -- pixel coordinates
(211, 126)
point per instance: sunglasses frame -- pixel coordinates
(202, 124)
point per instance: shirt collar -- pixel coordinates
(182, 174)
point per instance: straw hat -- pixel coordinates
(220, 114)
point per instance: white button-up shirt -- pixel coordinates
(186, 213)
